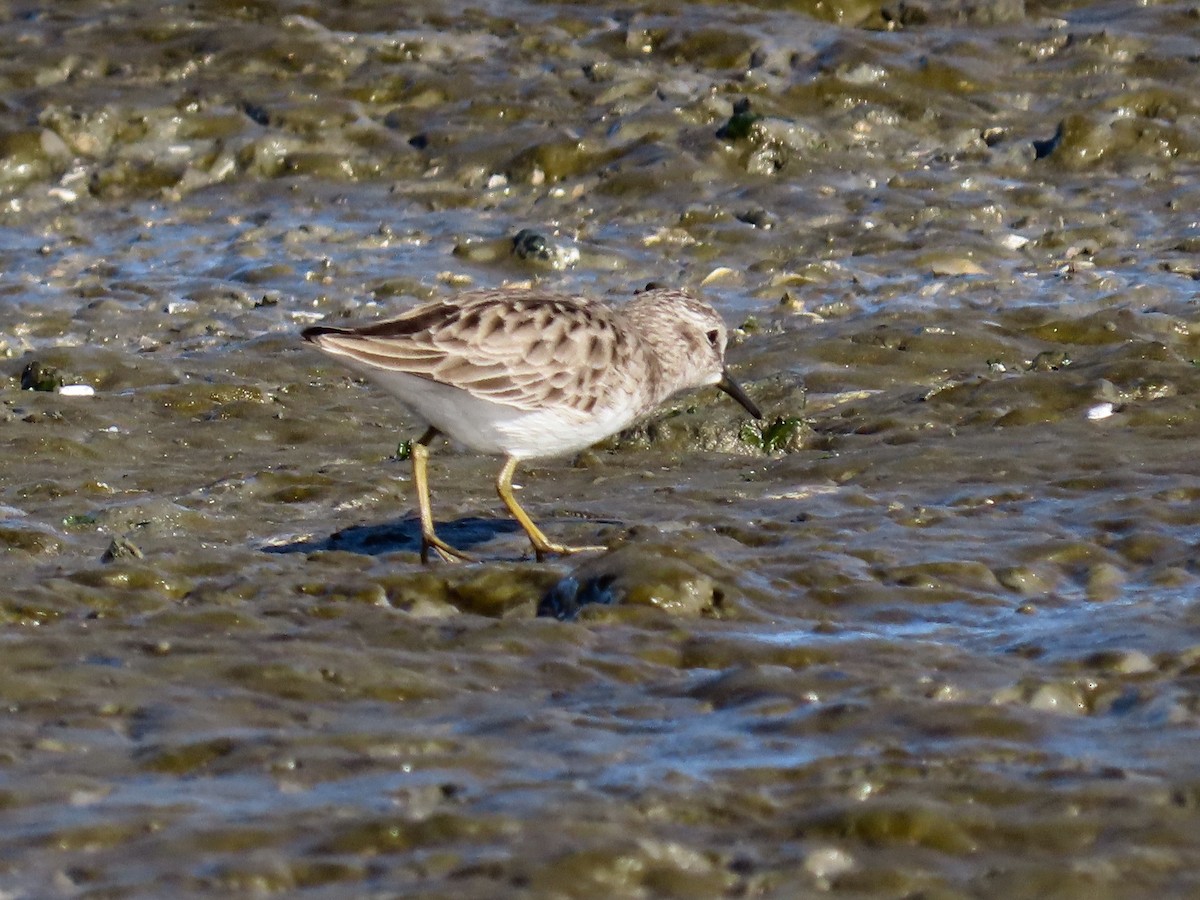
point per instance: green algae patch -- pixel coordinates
(383, 836)
(28, 538)
(665, 578)
(187, 759)
(193, 399)
(882, 823)
(498, 591)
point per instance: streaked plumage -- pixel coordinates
(526, 373)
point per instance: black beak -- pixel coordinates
(734, 390)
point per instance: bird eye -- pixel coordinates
(714, 337)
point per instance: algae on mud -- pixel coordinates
(935, 634)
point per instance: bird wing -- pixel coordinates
(527, 350)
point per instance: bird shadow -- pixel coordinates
(401, 535)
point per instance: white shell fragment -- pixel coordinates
(77, 390)
(1100, 411)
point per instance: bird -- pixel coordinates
(526, 373)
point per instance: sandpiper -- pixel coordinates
(523, 373)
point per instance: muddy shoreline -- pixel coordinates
(930, 633)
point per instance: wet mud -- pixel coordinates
(928, 630)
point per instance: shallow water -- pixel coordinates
(932, 633)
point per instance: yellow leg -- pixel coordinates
(541, 546)
(420, 459)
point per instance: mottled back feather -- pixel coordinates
(526, 349)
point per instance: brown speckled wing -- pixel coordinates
(525, 349)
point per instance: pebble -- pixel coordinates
(76, 390)
(825, 863)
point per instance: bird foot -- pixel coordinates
(445, 552)
(548, 549)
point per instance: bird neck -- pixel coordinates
(663, 351)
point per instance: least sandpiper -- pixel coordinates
(524, 373)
